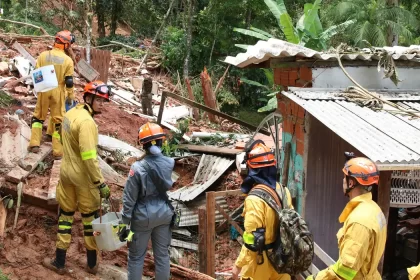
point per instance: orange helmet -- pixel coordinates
(150, 132)
(363, 170)
(260, 156)
(97, 88)
(65, 37)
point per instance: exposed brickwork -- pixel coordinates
(293, 120)
(295, 77)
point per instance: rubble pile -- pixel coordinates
(208, 158)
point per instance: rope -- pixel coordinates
(363, 97)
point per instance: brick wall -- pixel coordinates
(293, 77)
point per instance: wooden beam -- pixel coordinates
(3, 216)
(210, 150)
(24, 53)
(391, 241)
(187, 101)
(211, 234)
(18, 174)
(54, 178)
(229, 219)
(314, 63)
(286, 161)
(202, 233)
(384, 201)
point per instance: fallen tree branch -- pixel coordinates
(27, 24)
(125, 46)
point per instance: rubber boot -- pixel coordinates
(36, 135)
(58, 263)
(92, 265)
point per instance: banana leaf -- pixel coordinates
(262, 32)
(242, 46)
(251, 33)
(271, 105)
(288, 29)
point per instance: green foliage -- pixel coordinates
(372, 20)
(4, 276)
(170, 146)
(173, 48)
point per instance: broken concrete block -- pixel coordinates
(155, 87)
(4, 68)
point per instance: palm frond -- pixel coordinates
(399, 14)
(251, 33)
(399, 29)
(333, 30)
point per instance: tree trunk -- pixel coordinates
(101, 18)
(188, 38)
(392, 37)
(114, 16)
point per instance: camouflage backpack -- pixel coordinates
(293, 248)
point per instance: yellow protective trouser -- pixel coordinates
(254, 271)
(50, 127)
(53, 100)
(71, 197)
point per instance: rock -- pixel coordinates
(144, 72)
(4, 68)
(21, 90)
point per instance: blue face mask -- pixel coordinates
(265, 175)
(154, 150)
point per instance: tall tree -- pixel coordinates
(100, 13)
(188, 37)
(116, 13)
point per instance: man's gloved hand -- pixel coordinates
(123, 233)
(104, 190)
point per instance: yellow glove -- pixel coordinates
(310, 277)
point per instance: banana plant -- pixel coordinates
(308, 31)
(270, 90)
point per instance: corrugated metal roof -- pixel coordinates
(274, 48)
(189, 211)
(392, 141)
(208, 171)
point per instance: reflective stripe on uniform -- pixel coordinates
(56, 135)
(37, 125)
(87, 225)
(248, 238)
(88, 154)
(344, 272)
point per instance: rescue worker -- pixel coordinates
(414, 273)
(262, 170)
(54, 99)
(362, 238)
(146, 207)
(81, 184)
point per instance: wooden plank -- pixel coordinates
(210, 234)
(87, 71)
(125, 97)
(3, 216)
(229, 219)
(384, 201)
(322, 255)
(210, 149)
(286, 161)
(18, 174)
(202, 233)
(54, 178)
(207, 109)
(24, 53)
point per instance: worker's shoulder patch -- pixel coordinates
(131, 173)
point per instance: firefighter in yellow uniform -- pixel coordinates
(362, 238)
(54, 99)
(258, 214)
(81, 182)
(414, 273)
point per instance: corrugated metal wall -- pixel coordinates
(323, 183)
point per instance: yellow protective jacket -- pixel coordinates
(258, 214)
(80, 139)
(63, 66)
(414, 273)
(361, 241)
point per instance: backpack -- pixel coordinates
(293, 249)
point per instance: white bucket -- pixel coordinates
(44, 78)
(108, 239)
